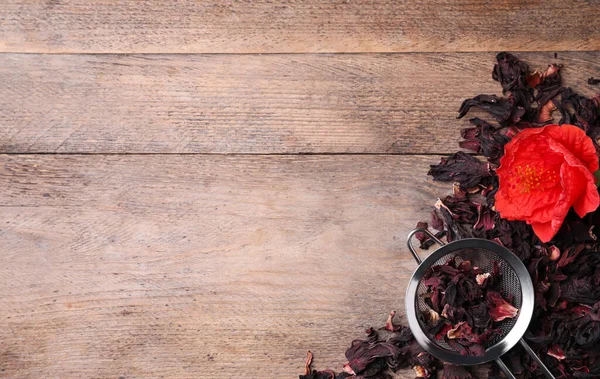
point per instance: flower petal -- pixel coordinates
(543, 173)
(588, 202)
(576, 142)
(543, 230)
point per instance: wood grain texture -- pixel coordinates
(373, 103)
(251, 26)
(200, 266)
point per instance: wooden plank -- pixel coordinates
(200, 266)
(378, 103)
(250, 26)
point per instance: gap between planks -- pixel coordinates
(558, 52)
(230, 154)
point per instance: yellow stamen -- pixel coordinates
(528, 178)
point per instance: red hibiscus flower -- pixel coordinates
(545, 171)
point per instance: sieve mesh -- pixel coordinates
(509, 286)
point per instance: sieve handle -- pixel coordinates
(533, 355)
(412, 248)
(504, 369)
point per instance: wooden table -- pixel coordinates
(195, 189)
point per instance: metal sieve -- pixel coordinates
(515, 283)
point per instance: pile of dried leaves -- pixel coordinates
(565, 328)
(465, 305)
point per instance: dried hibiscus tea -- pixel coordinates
(462, 168)
(314, 374)
(471, 306)
(466, 305)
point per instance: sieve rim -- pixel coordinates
(512, 337)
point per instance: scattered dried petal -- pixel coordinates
(462, 168)
(485, 218)
(348, 369)
(389, 324)
(455, 372)
(510, 71)
(546, 113)
(534, 78)
(314, 374)
(556, 352)
(504, 110)
(309, 358)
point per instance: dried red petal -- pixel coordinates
(505, 110)
(556, 352)
(462, 168)
(500, 309)
(309, 358)
(461, 330)
(389, 324)
(534, 79)
(443, 332)
(510, 71)
(485, 218)
(348, 369)
(314, 374)
(546, 112)
(455, 372)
